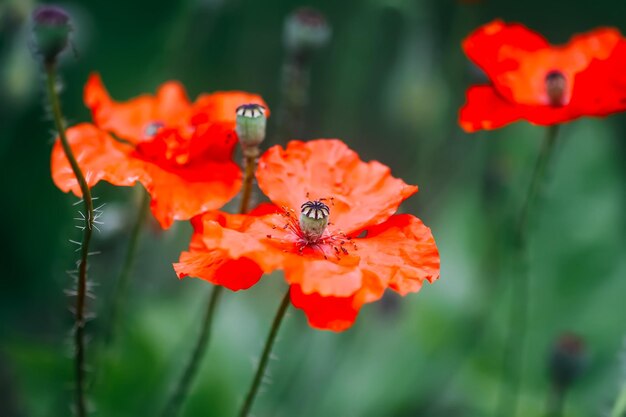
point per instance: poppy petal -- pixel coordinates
(222, 105)
(401, 253)
(177, 193)
(99, 156)
(217, 268)
(358, 193)
(132, 119)
(181, 193)
(326, 313)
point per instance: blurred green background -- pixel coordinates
(389, 83)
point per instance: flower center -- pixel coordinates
(314, 219)
(556, 85)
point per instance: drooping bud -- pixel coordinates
(314, 219)
(251, 121)
(556, 85)
(305, 29)
(567, 360)
(51, 31)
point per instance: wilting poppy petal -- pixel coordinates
(359, 193)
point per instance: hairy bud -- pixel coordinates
(51, 31)
(306, 29)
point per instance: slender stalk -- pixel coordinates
(179, 395)
(248, 179)
(514, 348)
(121, 286)
(619, 408)
(267, 349)
(81, 290)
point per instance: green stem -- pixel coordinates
(117, 302)
(248, 179)
(256, 382)
(619, 408)
(514, 347)
(179, 395)
(81, 290)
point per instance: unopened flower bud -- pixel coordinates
(567, 360)
(51, 31)
(314, 219)
(556, 85)
(306, 29)
(251, 121)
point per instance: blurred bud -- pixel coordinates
(306, 29)
(555, 88)
(567, 360)
(314, 219)
(251, 121)
(51, 30)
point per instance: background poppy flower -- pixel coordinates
(180, 151)
(365, 249)
(543, 84)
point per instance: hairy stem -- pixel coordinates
(514, 348)
(267, 349)
(121, 286)
(79, 331)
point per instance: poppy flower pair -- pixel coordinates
(331, 225)
(529, 79)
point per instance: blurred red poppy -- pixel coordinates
(364, 249)
(543, 84)
(180, 151)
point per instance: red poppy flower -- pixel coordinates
(180, 151)
(543, 84)
(361, 248)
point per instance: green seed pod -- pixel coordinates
(251, 121)
(314, 219)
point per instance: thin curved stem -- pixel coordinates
(180, 393)
(121, 286)
(265, 356)
(514, 348)
(81, 290)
